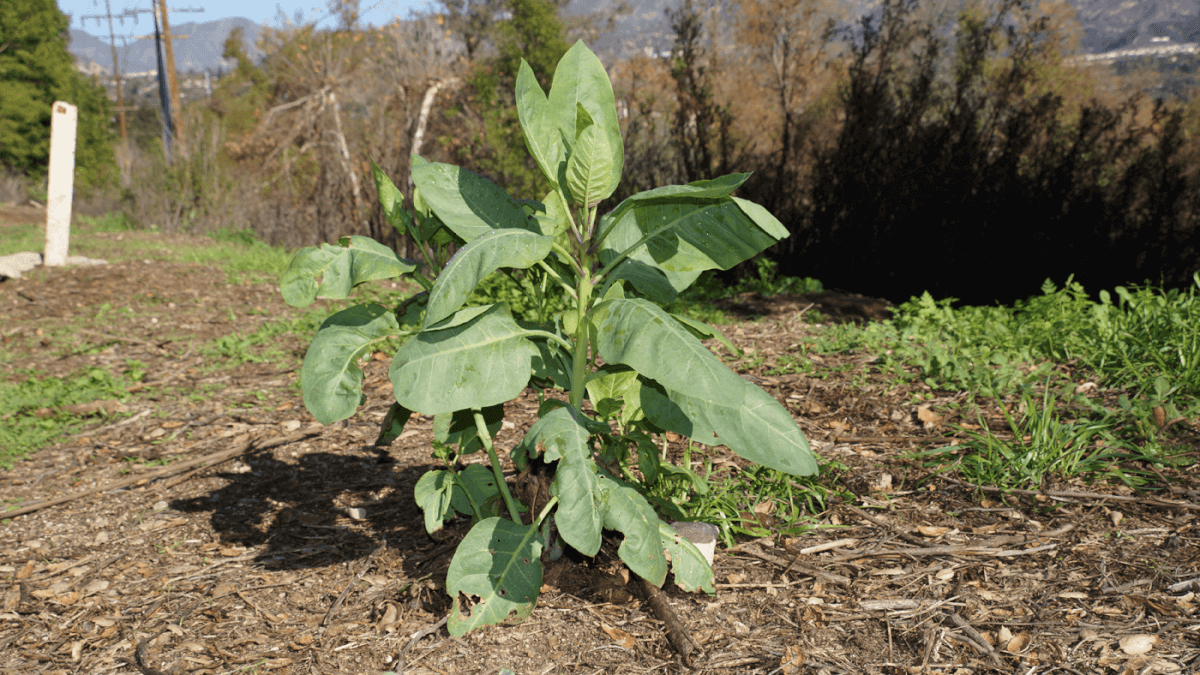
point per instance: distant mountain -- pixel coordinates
(645, 29)
(1129, 24)
(199, 51)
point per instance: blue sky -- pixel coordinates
(375, 12)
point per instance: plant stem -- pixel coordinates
(579, 370)
(486, 437)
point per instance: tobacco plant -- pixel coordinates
(628, 370)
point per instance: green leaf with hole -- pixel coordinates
(332, 271)
(518, 249)
(473, 365)
(495, 574)
(330, 378)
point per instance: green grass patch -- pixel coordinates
(32, 414)
(24, 237)
(241, 255)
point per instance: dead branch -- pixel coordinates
(677, 633)
(426, 106)
(1071, 494)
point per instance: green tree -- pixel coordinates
(534, 33)
(35, 71)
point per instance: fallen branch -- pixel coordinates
(1069, 494)
(207, 461)
(677, 634)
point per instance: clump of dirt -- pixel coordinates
(217, 528)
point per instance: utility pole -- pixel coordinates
(175, 111)
(167, 84)
(112, 39)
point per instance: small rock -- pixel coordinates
(160, 506)
(356, 513)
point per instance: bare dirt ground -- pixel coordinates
(223, 531)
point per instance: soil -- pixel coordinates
(217, 529)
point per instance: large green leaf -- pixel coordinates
(483, 362)
(330, 377)
(476, 260)
(718, 407)
(644, 337)
(625, 509)
(763, 218)
(590, 168)
(496, 572)
(539, 124)
(746, 418)
(561, 438)
(469, 204)
(333, 271)
(687, 234)
(580, 80)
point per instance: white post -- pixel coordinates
(64, 118)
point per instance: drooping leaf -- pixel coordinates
(479, 258)
(692, 571)
(467, 203)
(333, 271)
(330, 377)
(480, 363)
(718, 407)
(539, 124)
(496, 572)
(562, 439)
(580, 80)
(628, 511)
(433, 494)
(747, 419)
(590, 168)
